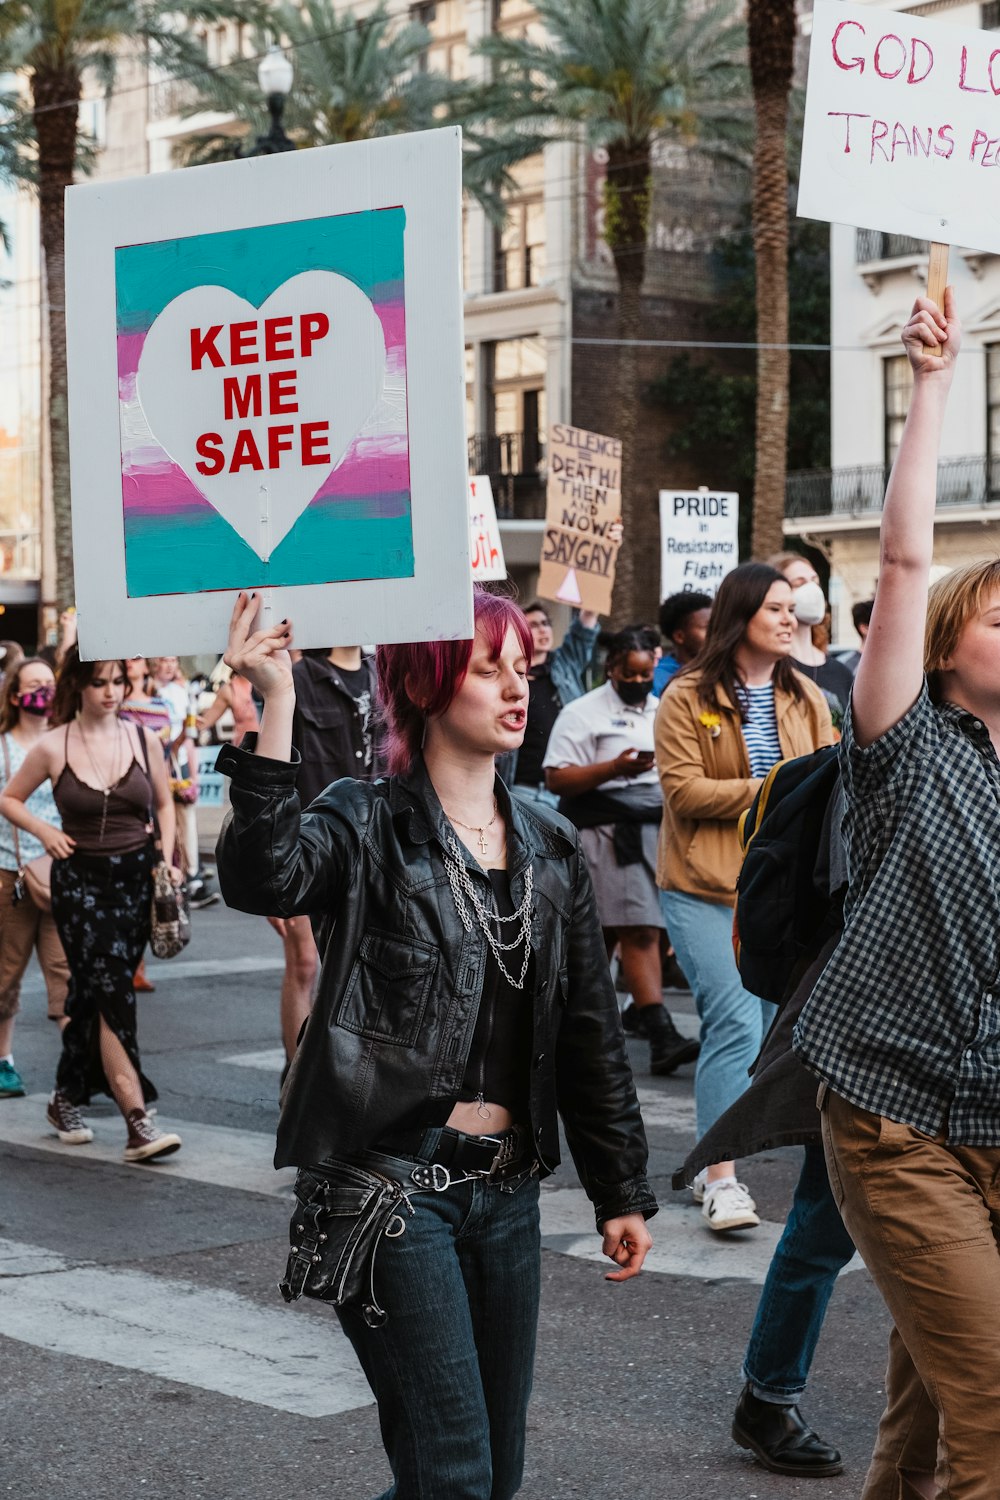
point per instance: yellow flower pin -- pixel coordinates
(712, 722)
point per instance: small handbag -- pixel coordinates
(33, 879)
(170, 916)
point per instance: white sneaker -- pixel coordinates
(729, 1206)
(698, 1186)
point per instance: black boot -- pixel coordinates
(781, 1440)
(667, 1048)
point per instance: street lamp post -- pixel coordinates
(274, 74)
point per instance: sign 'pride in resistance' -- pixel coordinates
(902, 126)
(281, 413)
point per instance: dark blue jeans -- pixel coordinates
(451, 1367)
(807, 1259)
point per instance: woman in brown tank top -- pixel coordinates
(107, 776)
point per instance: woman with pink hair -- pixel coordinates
(464, 1003)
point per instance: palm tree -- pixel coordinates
(771, 28)
(623, 75)
(356, 77)
(56, 44)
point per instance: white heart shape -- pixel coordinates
(338, 378)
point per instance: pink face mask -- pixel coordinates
(37, 700)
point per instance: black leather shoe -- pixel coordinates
(780, 1440)
(667, 1048)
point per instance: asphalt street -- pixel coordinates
(145, 1351)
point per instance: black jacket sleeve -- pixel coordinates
(273, 859)
(594, 1086)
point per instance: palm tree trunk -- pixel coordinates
(637, 582)
(56, 95)
(772, 40)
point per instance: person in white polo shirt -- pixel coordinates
(600, 764)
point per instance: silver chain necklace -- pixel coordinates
(465, 894)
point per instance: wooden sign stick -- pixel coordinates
(937, 279)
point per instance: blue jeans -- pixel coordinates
(451, 1367)
(807, 1259)
(733, 1021)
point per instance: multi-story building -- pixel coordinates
(874, 279)
(540, 294)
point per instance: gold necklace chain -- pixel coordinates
(115, 773)
(472, 828)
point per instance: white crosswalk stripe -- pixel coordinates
(290, 1359)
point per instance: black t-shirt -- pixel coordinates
(543, 710)
(499, 1063)
(357, 684)
(832, 676)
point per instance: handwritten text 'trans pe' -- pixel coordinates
(902, 120)
(908, 64)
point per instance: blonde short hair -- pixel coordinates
(952, 602)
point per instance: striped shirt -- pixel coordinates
(760, 728)
(904, 1021)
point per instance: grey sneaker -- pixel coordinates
(67, 1121)
(145, 1141)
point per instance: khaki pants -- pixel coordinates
(926, 1218)
(23, 928)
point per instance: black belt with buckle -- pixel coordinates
(496, 1156)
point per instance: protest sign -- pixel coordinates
(266, 392)
(486, 545)
(698, 540)
(583, 506)
(901, 125)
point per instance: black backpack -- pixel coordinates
(781, 910)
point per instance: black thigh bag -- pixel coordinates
(342, 1214)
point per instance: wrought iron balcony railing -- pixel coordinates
(972, 482)
(873, 244)
(515, 463)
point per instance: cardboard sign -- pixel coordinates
(699, 541)
(266, 392)
(486, 543)
(583, 505)
(902, 130)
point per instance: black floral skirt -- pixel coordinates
(101, 906)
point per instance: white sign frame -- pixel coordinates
(420, 172)
(706, 540)
(883, 152)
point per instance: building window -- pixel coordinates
(516, 374)
(470, 389)
(519, 257)
(448, 49)
(897, 384)
(513, 17)
(990, 15)
(993, 417)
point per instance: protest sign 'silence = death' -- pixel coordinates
(902, 125)
(583, 508)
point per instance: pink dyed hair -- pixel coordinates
(431, 672)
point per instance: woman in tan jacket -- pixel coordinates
(721, 726)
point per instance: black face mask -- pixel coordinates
(634, 693)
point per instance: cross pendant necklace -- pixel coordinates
(482, 841)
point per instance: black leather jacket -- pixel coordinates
(401, 979)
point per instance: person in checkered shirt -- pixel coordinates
(903, 1027)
